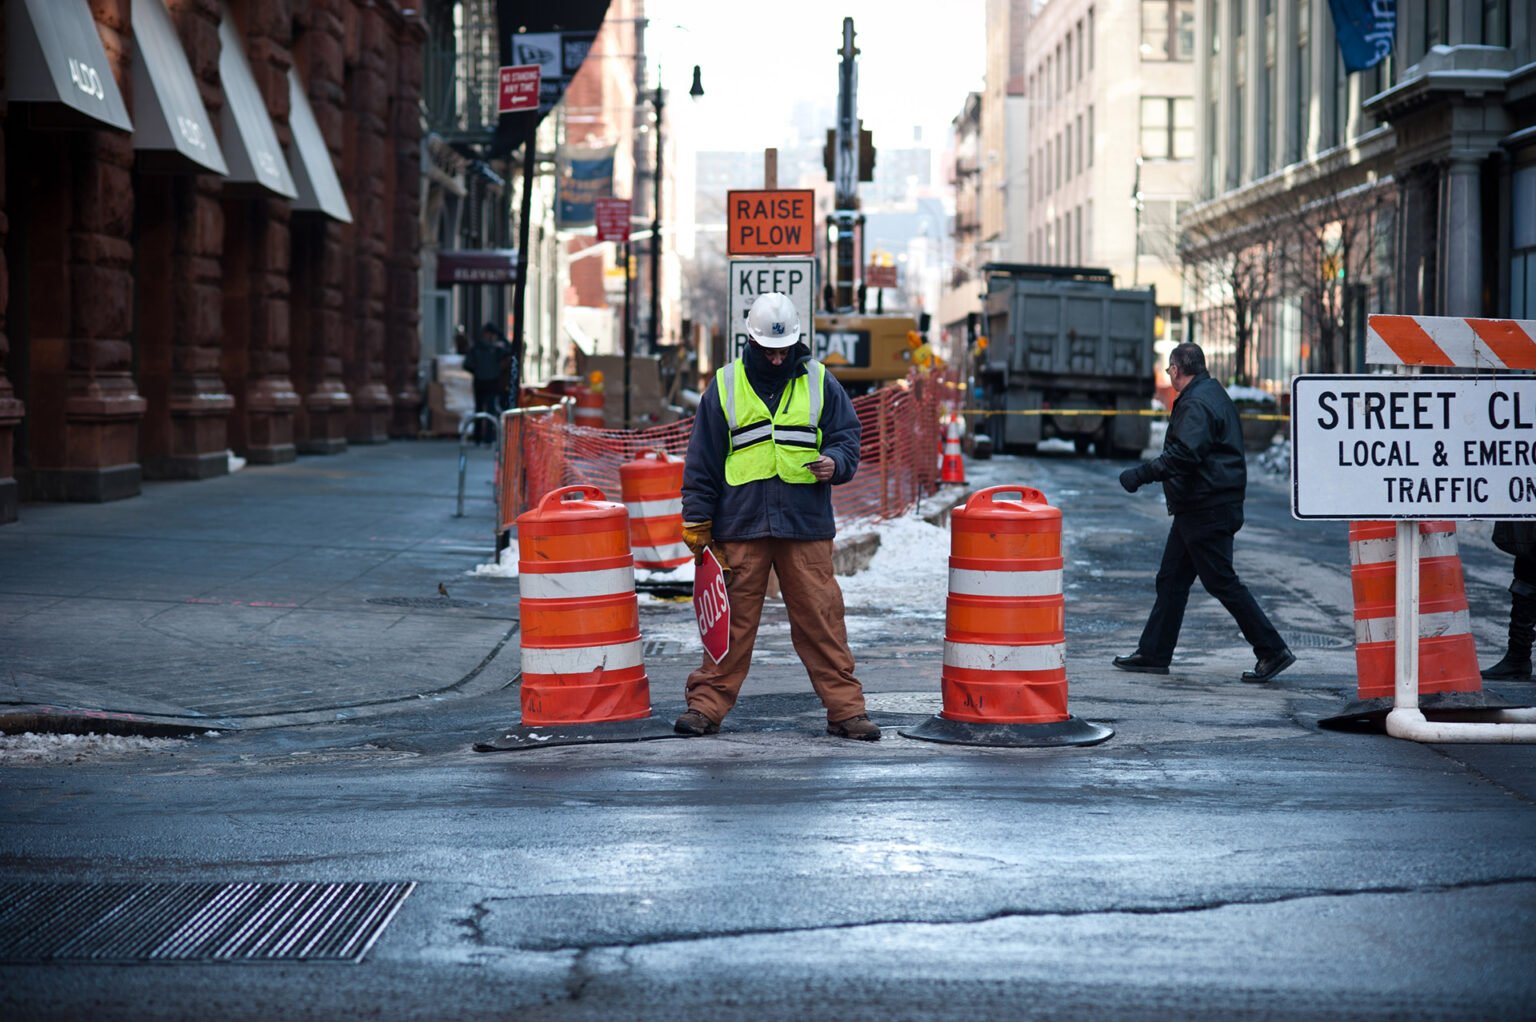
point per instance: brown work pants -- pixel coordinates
(816, 626)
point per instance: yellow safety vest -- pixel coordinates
(764, 445)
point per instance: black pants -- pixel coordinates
(1200, 546)
(487, 400)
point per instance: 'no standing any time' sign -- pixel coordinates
(1413, 447)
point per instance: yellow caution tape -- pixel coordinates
(1259, 417)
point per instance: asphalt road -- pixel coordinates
(1221, 856)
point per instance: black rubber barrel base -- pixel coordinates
(549, 736)
(1370, 715)
(1072, 731)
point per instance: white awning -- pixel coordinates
(53, 55)
(168, 110)
(250, 138)
(313, 172)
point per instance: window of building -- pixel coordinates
(1522, 261)
(1090, 38)
(1167, 29)
(1234, 160)
(1068, 161)
(1066, 54)
(1302, 108)
(1167, 127)
(1080, 144)
(1079, 49)
(1495, 22)
(1437, 24)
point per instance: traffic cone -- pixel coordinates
(1449, 678)
(1004, 680)
(952, 468)
(583, 673)
(652, 488)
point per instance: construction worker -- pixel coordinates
(774, 433)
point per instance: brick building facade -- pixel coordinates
(156, 312)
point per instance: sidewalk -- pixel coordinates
(277, 595)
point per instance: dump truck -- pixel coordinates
(1065, 345)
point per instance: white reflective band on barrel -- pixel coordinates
(1431, 626)
(566, 584)
(978, 657)
(582, 659)
(654, 508)
(1381, 551)
(670, 552)
(966, 582)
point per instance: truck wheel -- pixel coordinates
(1080, 444)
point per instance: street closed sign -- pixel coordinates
(770, 222)
(1413, 447)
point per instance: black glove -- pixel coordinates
(1131, 479)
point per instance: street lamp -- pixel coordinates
(658, 101)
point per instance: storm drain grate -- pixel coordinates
(173, 922)
(660, 647)
(1316, 640)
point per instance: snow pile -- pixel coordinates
(505, 566)
(236, 463)
(909, 574)
(56, 749)
(1237, 393)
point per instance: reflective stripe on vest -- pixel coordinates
(764, 445)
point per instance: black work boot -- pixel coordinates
(1516, 665)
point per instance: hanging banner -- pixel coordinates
(585, 175)
(1365, 29)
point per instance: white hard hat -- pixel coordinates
(773, 321)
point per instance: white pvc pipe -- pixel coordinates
(1410, 724)
(1406, 677)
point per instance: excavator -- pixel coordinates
(863, 350)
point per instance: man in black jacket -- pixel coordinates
(1204, 473)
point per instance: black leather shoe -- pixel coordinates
(1140, 664)
(1268, 668)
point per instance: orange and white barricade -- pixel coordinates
(1449, 678)
(579, 615)
(1004, 680)
(652, 487)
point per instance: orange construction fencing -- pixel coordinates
(899, 460)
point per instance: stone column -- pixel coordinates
(267, 398)
(198, 404)
(319, 270)
(11, 410)
(98, 459)
(368, 108)
(1461, 254)
(402, 339)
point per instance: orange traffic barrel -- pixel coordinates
(589, 407)
(952, 468)
(1004, 680)
(579, 615)
(1449, 678)
(652, 487)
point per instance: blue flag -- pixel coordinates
(1365, 29)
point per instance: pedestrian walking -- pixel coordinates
(757, 490)
(485, 363)
(1518, 538)
(1204, 475)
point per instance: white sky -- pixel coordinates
(917, 61)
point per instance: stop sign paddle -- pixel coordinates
(712, 606)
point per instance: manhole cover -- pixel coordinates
(444, 602)
(136, 922)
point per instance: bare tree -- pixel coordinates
(1333, 243)
(1238, 271)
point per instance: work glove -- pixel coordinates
(698, 535)
(1131, 479)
